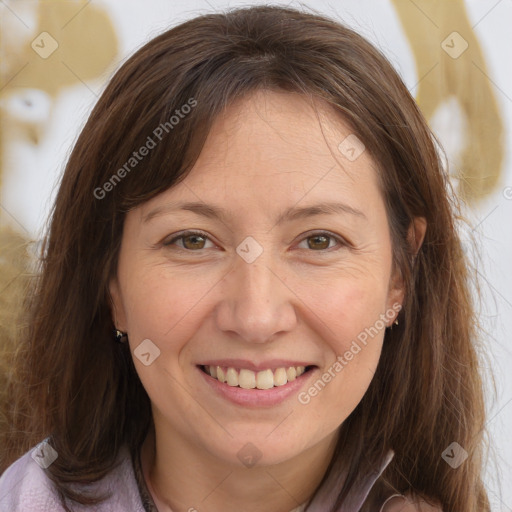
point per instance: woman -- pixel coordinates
(256, 208)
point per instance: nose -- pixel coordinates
(256, 303)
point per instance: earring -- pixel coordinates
(120, 336)
(390, 326)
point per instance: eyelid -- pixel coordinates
(184, 234)
(342, 242)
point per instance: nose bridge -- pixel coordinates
(257, 305)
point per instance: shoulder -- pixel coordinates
(408, 503)
(25, 487)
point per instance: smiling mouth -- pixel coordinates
(247, 379)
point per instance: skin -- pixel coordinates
(409, 503)
(265, 154)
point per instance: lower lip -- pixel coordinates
(257, 397)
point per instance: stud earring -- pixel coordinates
(390, 326)
(120, 336)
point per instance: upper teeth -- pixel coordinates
(248, 379)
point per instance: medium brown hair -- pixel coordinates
(75, 384)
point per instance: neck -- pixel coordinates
(182, 479)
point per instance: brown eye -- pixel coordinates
(323, 242)
(320, 242)
(193, 241)
(190, 241)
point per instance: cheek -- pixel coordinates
(164, 306)
(165, 309)
(346, 308)
(349, 317)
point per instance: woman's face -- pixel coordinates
(292, 269)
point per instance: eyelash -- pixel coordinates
(185, 234)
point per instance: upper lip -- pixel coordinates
(271, 364)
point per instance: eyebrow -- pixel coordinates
(293, 213)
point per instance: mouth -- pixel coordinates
(248, 379)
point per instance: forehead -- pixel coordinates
(277, 131)
(279, 147)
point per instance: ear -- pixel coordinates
(416, 233)
(408, 503)
(415, 237)
(117, 308)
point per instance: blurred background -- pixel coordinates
(454, 56)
